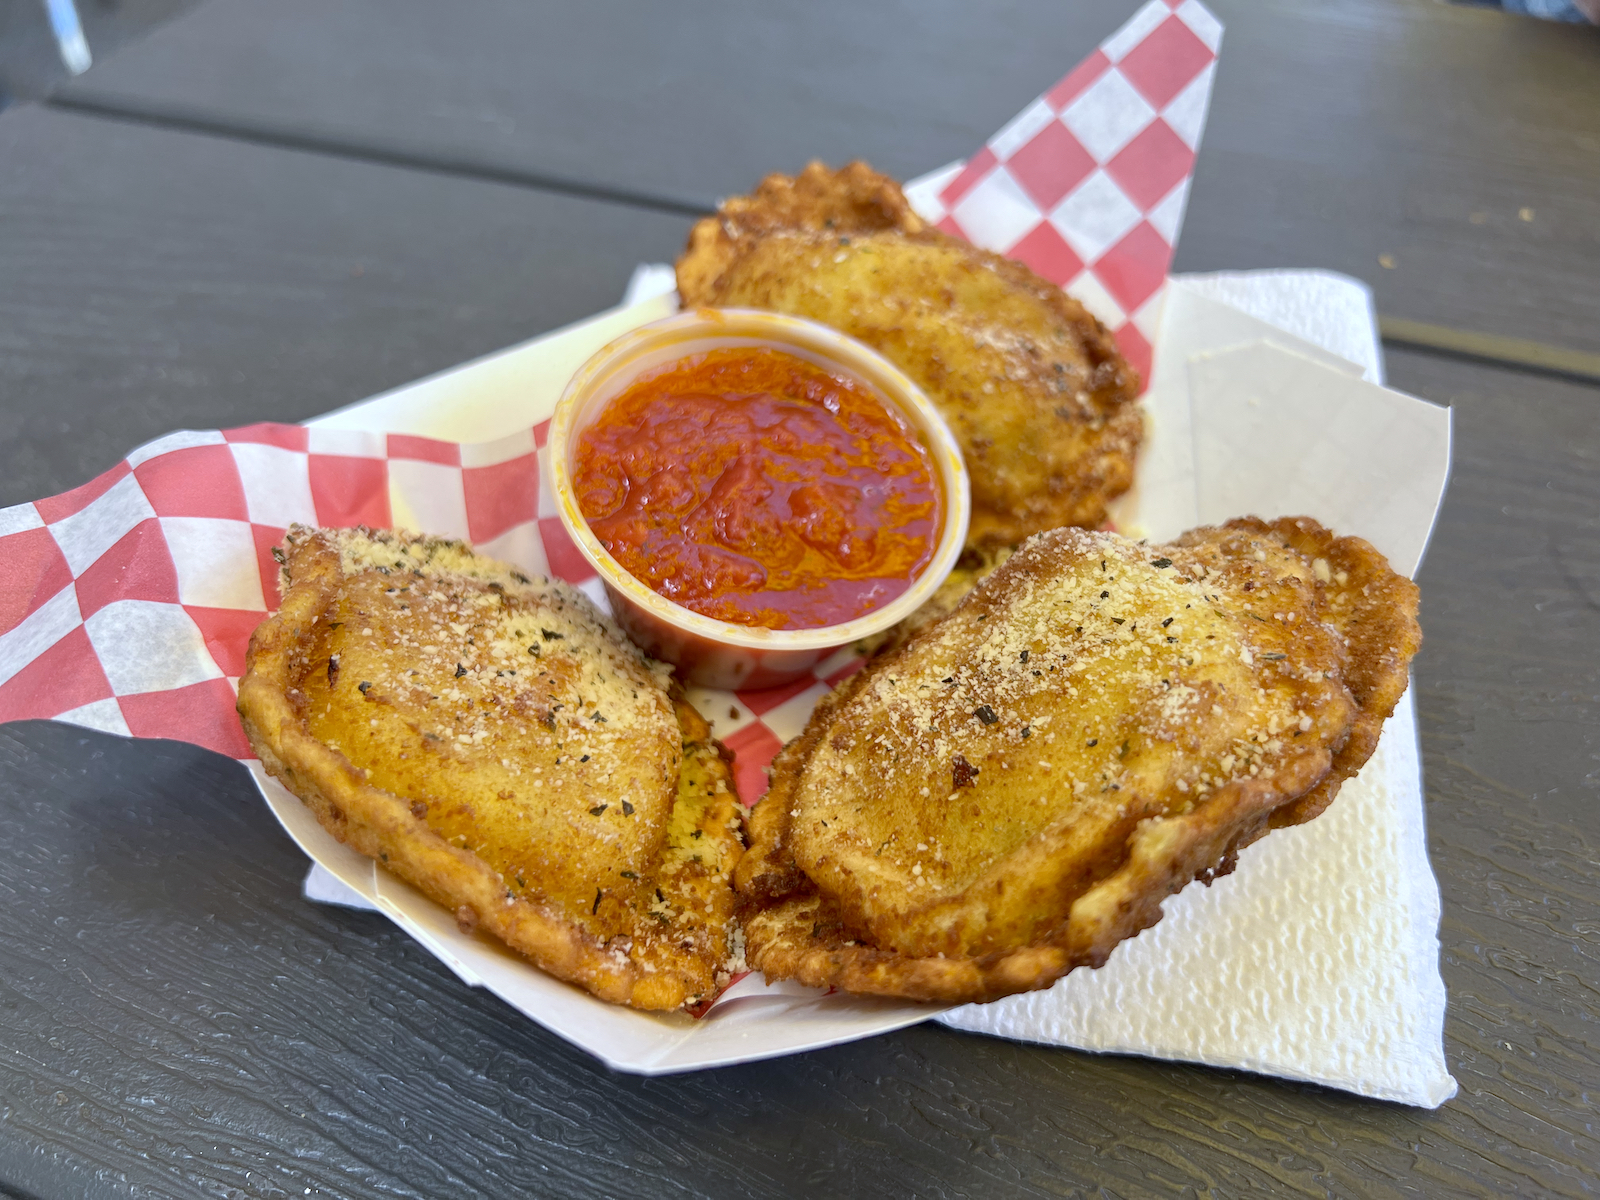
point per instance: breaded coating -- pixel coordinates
(495, 741)
(1031, 384)
(1017, 788)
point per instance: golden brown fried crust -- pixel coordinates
(1375, 609)
(1031, 384)
(854, 199)
(411, 694)
(801, 936)
(1281, 635)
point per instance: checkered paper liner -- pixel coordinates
(1087, 184)
(127, 604)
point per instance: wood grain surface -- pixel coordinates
(1343, 134)
(152, 281)
(176, 1020)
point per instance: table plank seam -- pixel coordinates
(435, 162)
(1518, 354)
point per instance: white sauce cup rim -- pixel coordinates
(618, 363)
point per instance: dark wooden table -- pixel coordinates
(266, 211)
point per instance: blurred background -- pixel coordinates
(43, 43)
(1556, 10)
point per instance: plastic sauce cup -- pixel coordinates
(707, 651)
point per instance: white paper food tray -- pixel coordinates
(1316, 960)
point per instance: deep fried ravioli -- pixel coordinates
(496, 742)
(1033, 387)
(1017, 788)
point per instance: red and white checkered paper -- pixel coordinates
(1087, 184)
(126, 604)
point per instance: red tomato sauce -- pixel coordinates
(758, 488)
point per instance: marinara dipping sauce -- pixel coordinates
(757, 488)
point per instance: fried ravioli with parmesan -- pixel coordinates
(1031, 384)
(1017, 788)
(497, 742)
